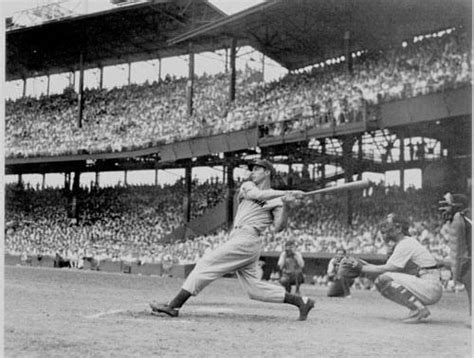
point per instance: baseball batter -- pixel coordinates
(411, 276)
(259, 207)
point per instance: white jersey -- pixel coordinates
(409, 249)
(253, 212)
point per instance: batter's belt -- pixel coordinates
(246, 227)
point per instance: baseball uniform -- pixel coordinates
(426, 286)
(242, 251)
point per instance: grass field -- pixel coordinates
(68, 313)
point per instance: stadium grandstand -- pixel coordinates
(369, 88)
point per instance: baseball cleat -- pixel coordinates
(416, 316)
(156, 309)
(305, 308)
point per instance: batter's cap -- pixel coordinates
(264, 164)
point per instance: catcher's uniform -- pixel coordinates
(426, 283)
(242, 251)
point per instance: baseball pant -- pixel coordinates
(291, 279)
(466, 272)
(427, 288)
(240, 254)
(340, 287)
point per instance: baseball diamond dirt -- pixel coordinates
(69, 313)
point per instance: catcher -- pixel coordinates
(454, 210)
(410, 277)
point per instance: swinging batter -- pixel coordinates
(259, 207)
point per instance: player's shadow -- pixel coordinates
(430, 321)
(196, 314)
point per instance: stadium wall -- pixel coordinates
(315, 264)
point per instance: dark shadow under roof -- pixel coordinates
(124, 34)
(297, 33)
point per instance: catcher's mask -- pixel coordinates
(452, 204)
(389, 227)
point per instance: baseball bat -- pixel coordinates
(360, 184)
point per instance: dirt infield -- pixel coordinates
(61, 312)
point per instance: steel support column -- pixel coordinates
(233, 53)
(188, 190)
(190, 83)
(80, 102)
(230, 194)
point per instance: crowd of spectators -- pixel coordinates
(130, 223)
(118, 223)
(141, 115)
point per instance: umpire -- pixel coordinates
(291, 264)
(339, 285)
(455, 211)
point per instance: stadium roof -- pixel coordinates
(294, 33)
(297, 33)
(131, 33)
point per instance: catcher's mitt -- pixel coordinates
(350, 267)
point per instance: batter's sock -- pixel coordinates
(293, 300)
(180, 299)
